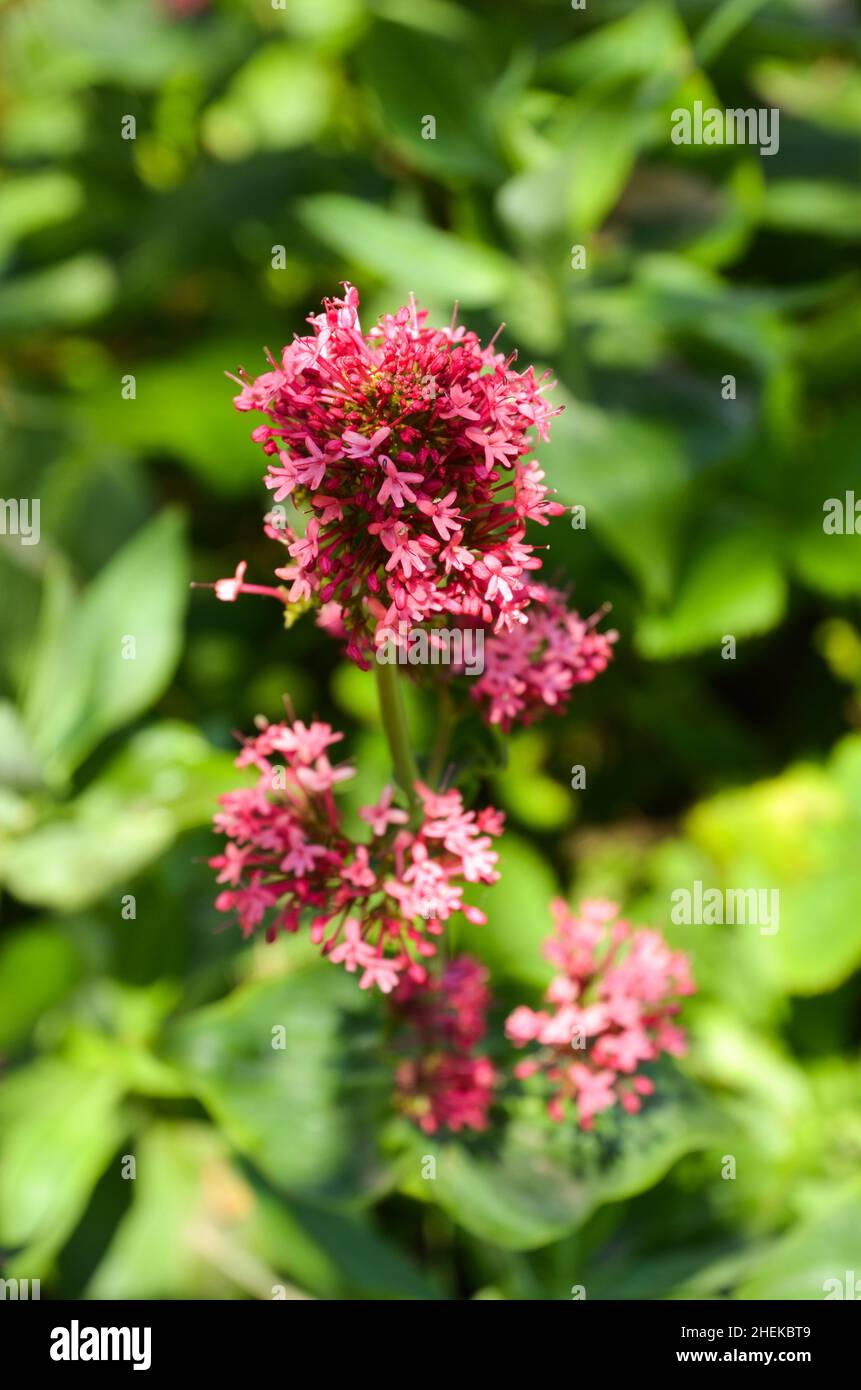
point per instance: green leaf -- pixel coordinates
(335, 23)
(725, 21)
(542, 1185)
(408, 254)
(529, 201)
(300, 1112)
(743, 1059)
(70, 864)
(829, 562)
(409, 75)
(74, 292)
(166, 780)
(734, 586)
(814, 206)
(125, 42)
(38, 966)
(45, 672)
(59, 1126)
(829, 94)
(279, 99)
(631, 476)
(117, 652)
(186, 1234)
(819, 942)
(813, 1260)
(362, 1263)
(649, 40)
(604, 137)
(536, 799)
(512, 1201)
(18, 612)
(34, 201)
(19, 766)
(212, 439)
(169, 765)
(201, 1227)
(121, 1053)
(797, 834)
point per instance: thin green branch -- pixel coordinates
(395, 726)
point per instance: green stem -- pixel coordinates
(436, 766)
(395, 726)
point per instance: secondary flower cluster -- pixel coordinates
(441, 1084)
(534, 668)
(375, 907)
(609, 1011)
(406, 447)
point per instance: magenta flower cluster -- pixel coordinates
(533, 670)
(609, 1011)
(375, 907)
(402, 485)
(442, 1084)
(407, 446)
(404, 451)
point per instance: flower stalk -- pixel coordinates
(439, 752)
(395, 726)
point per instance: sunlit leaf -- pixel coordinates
(118, 650)
(407, 254)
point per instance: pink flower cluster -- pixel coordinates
(609, 1011)
(406, 449)
(534, 668)
(442, 1085)
(375, 908)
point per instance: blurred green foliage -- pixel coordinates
(128, 1026)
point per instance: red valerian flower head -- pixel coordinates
(442, 1085)
(407, 449)
(376, 907)
(533, 670)
(609, 1011)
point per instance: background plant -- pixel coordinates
(151, 1035)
